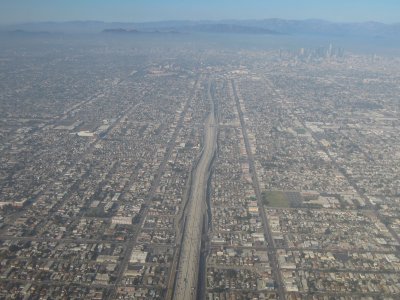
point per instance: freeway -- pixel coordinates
(156, 182)
(188, 268)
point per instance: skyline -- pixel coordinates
(13, 12)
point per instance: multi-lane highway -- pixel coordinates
(188, 268)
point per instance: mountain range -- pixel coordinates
(267, 26)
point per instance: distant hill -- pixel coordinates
(120, 30)
(211, 28)
(230, 28)
(267, 26)
(134, 31)
(321, 27)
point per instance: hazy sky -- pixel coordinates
(14, 11)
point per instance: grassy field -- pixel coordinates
(300, 130)
(275, 199)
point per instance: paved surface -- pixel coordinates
(188, 269)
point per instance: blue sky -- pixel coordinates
(14, 11)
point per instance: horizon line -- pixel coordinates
(195, 20)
